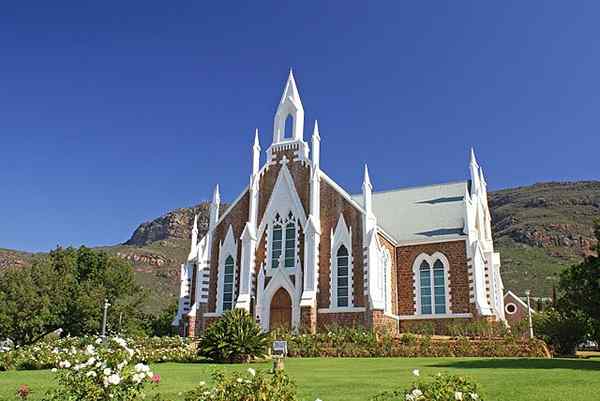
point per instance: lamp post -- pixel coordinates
(106, 305)
(527, 293)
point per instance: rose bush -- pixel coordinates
(103, 371)
(47, 354)
(441, 387)
(253, 386)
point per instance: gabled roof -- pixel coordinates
(421, 214)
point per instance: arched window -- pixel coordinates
(342, 275)
(283, 237)
(288, 127)
(432, 285)
(228, 283)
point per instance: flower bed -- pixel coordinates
(47, 354)
(362, 343)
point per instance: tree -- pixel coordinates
(66, 289)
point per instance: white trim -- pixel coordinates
(386, 264)
(341, 236)
(431, 259)
(440, 316)
(350, 309)
(387, 235)
(283, 222)
(280, 279)
(519, 300)
(212, 314)
(510, 304)
(226, 248)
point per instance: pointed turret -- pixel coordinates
(316, 146)
(255, 154)
(367, 192)
(289, 111)
(474, 169)
(214, 209)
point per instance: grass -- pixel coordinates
(349, 379)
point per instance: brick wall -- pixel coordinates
(332, 205)
(456, 253)
(347, 319)
(237, 218)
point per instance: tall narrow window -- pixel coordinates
(276, 245)
(290, 244)
(228, 283)
(425, 278)
(439, 287)
(342, 276)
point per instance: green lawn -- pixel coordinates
(358, 379)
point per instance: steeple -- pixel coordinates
(289, 117)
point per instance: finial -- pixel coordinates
(256, 142)
(367, 179)
(216, 195)
(195, 221)
(473, 159)
(316, 130)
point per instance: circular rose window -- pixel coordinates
(510, 308)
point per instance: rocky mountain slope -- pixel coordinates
(538, 230)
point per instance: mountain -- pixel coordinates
(538, 230)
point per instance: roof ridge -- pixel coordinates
(417, 187)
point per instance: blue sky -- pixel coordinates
(115, 112)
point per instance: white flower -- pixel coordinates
(114, 379)
(474, 396)
(409, 397)
(138, 377)
(91, 361)
(121, 342)
(140, 367)
(417, 393)
(239, 380)
(107, 371)
(54, 370)
(416, 372)
(318, 399)
(202, 384)
(150, 374)
(90, 350)
(64, 364)
(91, 373)
(252, 371)
(458, 396)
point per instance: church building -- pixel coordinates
(297, 251)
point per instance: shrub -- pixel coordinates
(561, 331)
(235, 337)
(103, 372)
(256, 386)
(442, 387)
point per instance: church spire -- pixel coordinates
(475, 178)
(289, 119)
(255, 154)
(367, 193)
(214, 208)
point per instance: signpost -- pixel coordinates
(280, 351)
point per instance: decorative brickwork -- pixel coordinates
(380, 322)
(308, 319)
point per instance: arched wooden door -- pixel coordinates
(281, 310)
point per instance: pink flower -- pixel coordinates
(155, 379)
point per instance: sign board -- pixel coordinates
(280, 348)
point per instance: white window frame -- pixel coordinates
(227, 247)
(431, 259)
(341, 236)
(283, 222)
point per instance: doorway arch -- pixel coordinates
(280, 313)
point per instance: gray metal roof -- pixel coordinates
(421, 214)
